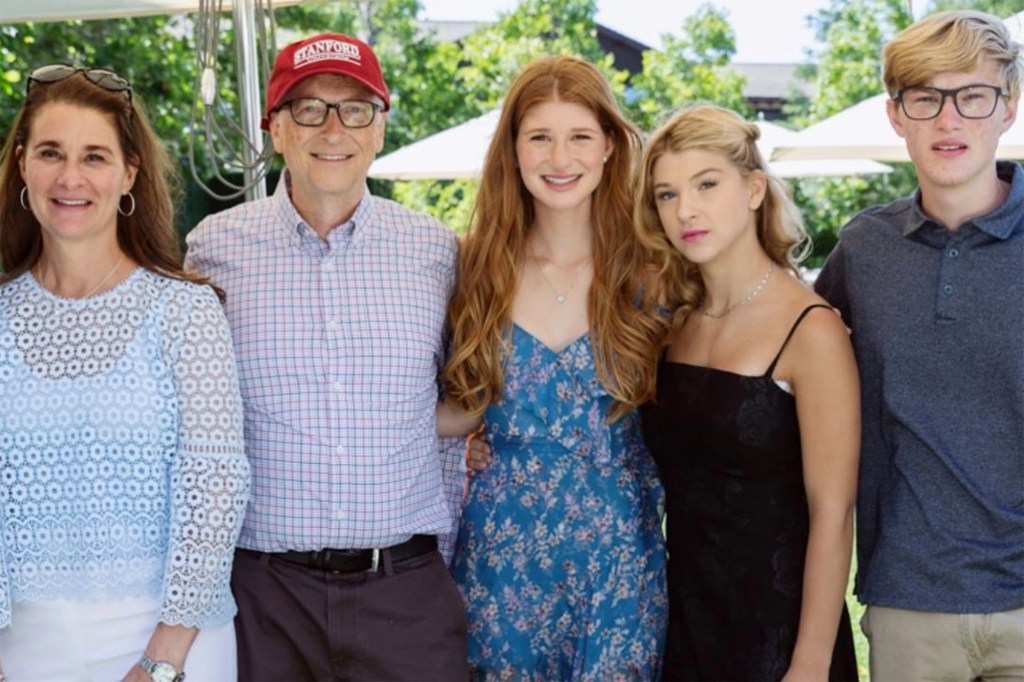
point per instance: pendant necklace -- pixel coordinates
(746, 299)
(559, 296)
(39, 276)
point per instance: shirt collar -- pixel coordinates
(362, 223)
(1003, 222)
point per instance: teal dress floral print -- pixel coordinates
(560, 555)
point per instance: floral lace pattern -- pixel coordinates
(122, 470)
(560, 556)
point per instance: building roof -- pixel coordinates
(772, 81)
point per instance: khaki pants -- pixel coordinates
(919, 645)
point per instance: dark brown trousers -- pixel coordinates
(404, 622)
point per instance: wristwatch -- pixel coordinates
(160, 671)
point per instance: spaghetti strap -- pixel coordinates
(792, 330)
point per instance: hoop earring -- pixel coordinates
(21, 197)
(129, 211)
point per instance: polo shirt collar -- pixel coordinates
(1003, 222)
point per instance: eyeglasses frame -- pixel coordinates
(337, 110)
(951, 93)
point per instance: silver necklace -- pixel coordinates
(559, 296)
(39, 276)
(746, 299)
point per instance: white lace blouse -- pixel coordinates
(122, 470)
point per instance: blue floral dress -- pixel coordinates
(560, 555)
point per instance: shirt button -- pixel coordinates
(340, 514)
(327, 265)
(340, 449)
(947, 289)
(954, 252)
(336, 386)
(333, 325)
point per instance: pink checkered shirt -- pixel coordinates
(339, 345)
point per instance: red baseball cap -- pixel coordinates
(324, 53)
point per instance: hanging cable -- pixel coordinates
(213, 125)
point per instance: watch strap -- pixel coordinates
(152, 667)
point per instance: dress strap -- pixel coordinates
(792, 330)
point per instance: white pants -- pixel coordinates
(99, 641)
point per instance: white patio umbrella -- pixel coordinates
(458, 153)
(17, 11)
(863, 130)
(774, 136)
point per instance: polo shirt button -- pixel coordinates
(947, 289)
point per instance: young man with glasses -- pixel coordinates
(337, 303)
(932, 287)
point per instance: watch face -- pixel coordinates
(165, 672)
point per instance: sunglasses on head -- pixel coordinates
(104, 78)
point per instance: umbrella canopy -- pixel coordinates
(774, 136)
(863, 130)
(17, 11)
(458, 153)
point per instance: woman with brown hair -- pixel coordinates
(123, 478)
(560, 556)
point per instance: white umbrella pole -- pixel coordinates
(244, 13)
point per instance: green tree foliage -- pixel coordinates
(999, 8)
(155, 53)
(690, 68)
(848, 71)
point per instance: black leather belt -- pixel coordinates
(360, 560)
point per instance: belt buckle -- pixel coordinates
(374, 561)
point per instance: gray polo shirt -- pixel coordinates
(937, 321)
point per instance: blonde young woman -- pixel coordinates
(560, 555)
(756, 422)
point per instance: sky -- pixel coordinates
(766, 30)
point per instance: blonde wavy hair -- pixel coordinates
(492, 252)
(780, 229)
(954, 41)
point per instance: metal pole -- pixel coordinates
(244, 13)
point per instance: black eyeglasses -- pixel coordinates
(312, 111)
(104, 78)
(971, 101)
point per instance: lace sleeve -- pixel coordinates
(209, 479)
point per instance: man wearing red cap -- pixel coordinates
(337, 303)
